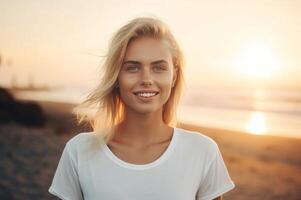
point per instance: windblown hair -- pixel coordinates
(105, 98)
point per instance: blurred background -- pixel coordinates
(243, 84)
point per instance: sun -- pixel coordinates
(257, 124)
(257, 61)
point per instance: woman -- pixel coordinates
(135, 151)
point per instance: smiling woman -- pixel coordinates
(147, 75)
(135, 150)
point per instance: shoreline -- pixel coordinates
(65, 108)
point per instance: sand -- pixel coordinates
(262, 167)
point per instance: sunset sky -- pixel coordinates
(251, 42)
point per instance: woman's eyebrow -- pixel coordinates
(137, 62)
(159, 61)
(131, 62)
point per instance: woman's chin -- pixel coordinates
(145, 109)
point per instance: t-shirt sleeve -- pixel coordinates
(65, 183)
(216, 180)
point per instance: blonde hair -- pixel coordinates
(106, 100)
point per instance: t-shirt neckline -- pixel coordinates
(152, 164)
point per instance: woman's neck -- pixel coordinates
(143, 129)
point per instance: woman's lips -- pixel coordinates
(146, 98)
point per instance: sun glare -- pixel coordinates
(256, 60)
(256, 124)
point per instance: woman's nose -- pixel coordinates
(146, 77)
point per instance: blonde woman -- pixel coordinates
(135, 151)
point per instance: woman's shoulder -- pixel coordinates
(81, 137)
(197, 140)
(84, 141)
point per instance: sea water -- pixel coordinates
(275, 111)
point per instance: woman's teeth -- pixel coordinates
(146, 94)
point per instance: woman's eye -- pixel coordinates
(132, 68)
(159, 68)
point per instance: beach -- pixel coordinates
(262, 167)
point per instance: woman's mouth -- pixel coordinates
(146, 95)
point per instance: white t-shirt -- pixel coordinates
(191, 168)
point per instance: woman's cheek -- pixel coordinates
(165, 81)
(127, 80)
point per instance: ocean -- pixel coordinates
(275, 111)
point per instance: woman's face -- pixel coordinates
(146, 76)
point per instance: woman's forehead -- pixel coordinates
(148, 50)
